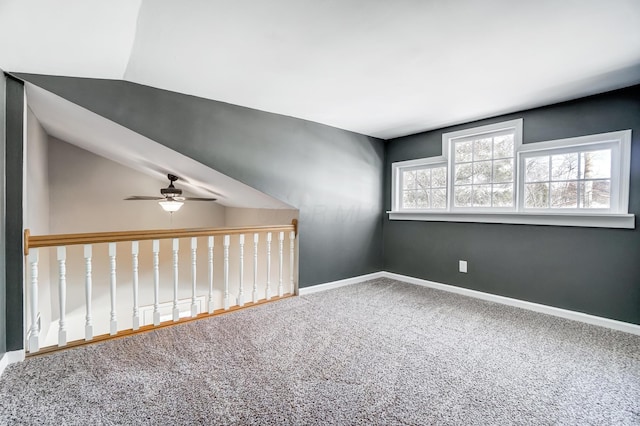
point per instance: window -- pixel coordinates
(571, 180)
(420, 184)
(487, 175)
(582, 175)
(483, 170)
(424, 188)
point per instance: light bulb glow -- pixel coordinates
(170, 205)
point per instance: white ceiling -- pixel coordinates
(377, 67)
(76, 38)
(89, 131)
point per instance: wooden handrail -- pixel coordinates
(35, 241)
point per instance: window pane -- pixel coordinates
(503, 171)
(536, 169)
(595, 194)
(503, 195)
(595, 164)
(422, 199)
(564, 166)
(536, 195)
(409, 199)
(463, 151)
(482, 149)
(482, 195)
(482, 172)
(423, 178)
(417, 188)
(564, 194)
(463, 173)
(503, 146)
(439, 177)
(409, 179)
(439, 199)
(462, 196)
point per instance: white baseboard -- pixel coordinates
(303, 291)
(536, 307)
(11, 358)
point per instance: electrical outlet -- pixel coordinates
(462, 266)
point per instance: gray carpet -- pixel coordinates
(381, 352)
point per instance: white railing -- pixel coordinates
(217, 289)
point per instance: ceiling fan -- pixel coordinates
(171, 199)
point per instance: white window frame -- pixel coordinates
(620, 145)
(401, 166)
(448, 140)
(616, 216)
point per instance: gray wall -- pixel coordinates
(3, 335)
(333, 176)
(13, 219)
(335, 179)
(591, 270)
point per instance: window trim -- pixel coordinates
(615, 217)
(620, 144)
(626, 221)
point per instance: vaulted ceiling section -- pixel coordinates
(375, 67)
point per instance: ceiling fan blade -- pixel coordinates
(143, 197)
(199, 199)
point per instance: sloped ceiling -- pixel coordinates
(375, 67)
(92, 132)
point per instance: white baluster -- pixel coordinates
(280, 262)
(226, 271)
(34, 331)
(134, 259)
(267, 292)
(176, 311)
(112, 261)
(255, 268)
(292, 244)
(88, 326)
(241, 288)
(156, 282)
(210, 246)
(62, 293)
(194, 248)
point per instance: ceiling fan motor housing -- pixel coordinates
(171, 191)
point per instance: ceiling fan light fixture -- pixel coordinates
(170, 205)
(171, 198)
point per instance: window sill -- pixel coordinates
(584, 220)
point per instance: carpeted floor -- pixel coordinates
(380, 352)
